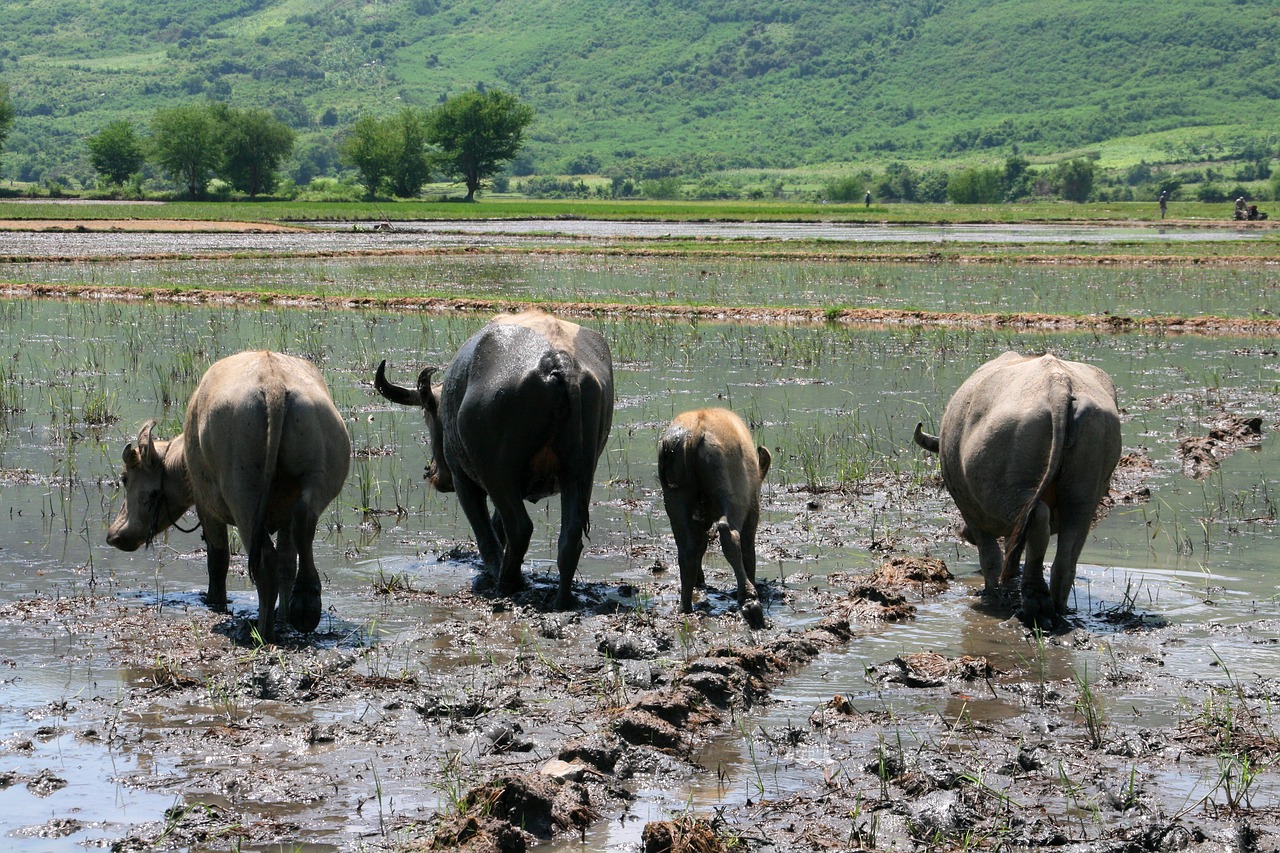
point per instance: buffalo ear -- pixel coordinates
(130, 456)
(766, 460)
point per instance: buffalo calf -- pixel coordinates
(711, 473)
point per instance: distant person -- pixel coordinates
(1164, 202)
(866, 200)
(1241, 213)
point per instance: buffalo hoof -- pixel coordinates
(565, 600)
(216, 603)
(304, 611)
(753, 615)
(510, 587)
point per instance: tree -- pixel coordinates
(6, 114)
(115, 152)
(369, 149)
(1074, 179)
(254, 144)
(897, 182)
(978, 185)
(185, 143)
(410, 168)
(477, 132)
(1017, 181)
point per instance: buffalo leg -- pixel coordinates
(748, 598)
(472, 498)
(518, 530)
(1071, 538)
(265, 573)
(299, 580)
(748, 534)
(215, 539)
(1036, 602)
(990, 559)
(691, 547)
(573, 524)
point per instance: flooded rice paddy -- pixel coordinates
(132, 716)
(1133, 291)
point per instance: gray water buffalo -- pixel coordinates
(262, 447)
(1027, 447)
(711, 472)
(523, 413)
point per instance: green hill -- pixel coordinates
(695, 84)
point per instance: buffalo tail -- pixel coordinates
(1060, 416)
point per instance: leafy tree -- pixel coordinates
(369, 149)
(6, 114)
(932, 186)
(116, 152)
(185, 143)
(254, 144)
(1018, 181)
(976, 186)
(1074, 179)
(898, 182)
(661, 188)
(409, 168)
(477, 132)
(849, 188)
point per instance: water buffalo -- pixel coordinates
(711, 471)
(262, 447)
(1027, 447)
(523, 413)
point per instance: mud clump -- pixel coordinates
(510, 813)
(1200, 455)
(684, 835)
(927, 574)
(929, 669)
(1128, 482)
(882, 595)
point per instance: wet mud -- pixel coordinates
(510, 725)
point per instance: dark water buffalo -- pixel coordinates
(711, 472)
(1027, 448)
(263, 448)
(523, 413)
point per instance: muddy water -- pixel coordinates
(836, 407)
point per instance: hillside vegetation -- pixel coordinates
(626, 84)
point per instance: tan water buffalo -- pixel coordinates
(523, 413)
(711, 472)
(1027, 447)
(262, 447)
